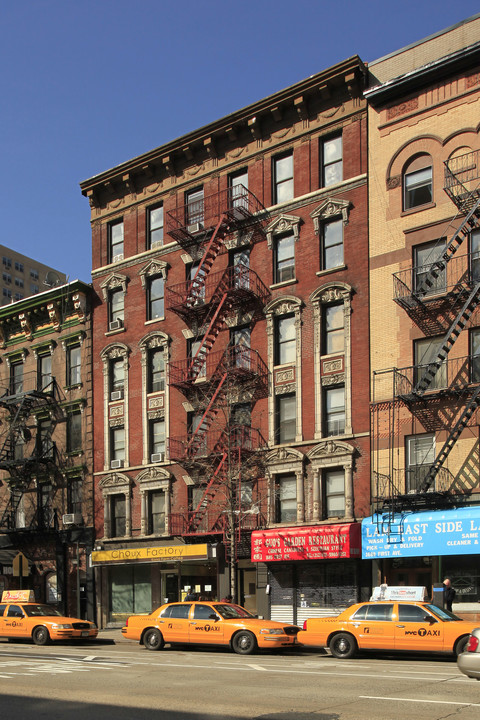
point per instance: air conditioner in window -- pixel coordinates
(116, 324)
(115, 464)
(72, 519)
(116, 395)
(117, 258)
(195, 228)
(157, 457)
(156, 244)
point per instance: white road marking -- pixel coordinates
(417, 700)
(257, 667)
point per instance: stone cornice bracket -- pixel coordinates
(114, 280)
(154, 267)
(231, 133)
(92, 198)
(330, 208)
(26, 325)
(210, 148)
(255, 129)
(80, 304)
(129, 183)
(167, 163)
(282, 224)
(301, 108)
(277, 113)
(148, 170)
(53, 310)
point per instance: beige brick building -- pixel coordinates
(22, 276)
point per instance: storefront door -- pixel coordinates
(248, 596)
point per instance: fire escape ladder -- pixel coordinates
(16, 430)
(455, 329)
(211, 251)
(208, 494)
(455, 433)
(471, 222)
(8, 517)
(206, 420)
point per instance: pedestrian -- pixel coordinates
(448, 594)
(227, 599)
(191, 595)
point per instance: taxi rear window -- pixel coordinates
(177, 611)
(374, 612)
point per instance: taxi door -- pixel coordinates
(206, 626)
(373, 626)
(15, 622)
(417, 629)
(174, 623)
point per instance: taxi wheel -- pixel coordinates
(244, 643)
(461, 645)
(153, 639)
(40, 636)
(343, 646)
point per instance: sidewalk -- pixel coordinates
(111, 636)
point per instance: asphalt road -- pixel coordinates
(117, 679)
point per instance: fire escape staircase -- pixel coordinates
(210, 490)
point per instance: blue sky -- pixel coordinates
(88, 84)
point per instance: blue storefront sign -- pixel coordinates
(449, 532)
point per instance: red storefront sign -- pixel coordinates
(321, 542)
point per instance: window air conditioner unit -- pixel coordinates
(116, 324)
(157, 457)
(195, 227)
(156, 244)
(116, 395)
(72, 519)
(115, 464)
(117, 258)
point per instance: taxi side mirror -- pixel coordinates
(430, 619)
(213, 616)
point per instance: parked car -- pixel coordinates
(41, 623)
(384, 625)
(469, 660)
(208, 623)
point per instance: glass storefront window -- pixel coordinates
(131, 591)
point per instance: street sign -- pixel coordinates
(20, 565)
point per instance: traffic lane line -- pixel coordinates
(418, 700)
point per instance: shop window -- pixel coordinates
(417, 182)
(285, 498)
(130, 591)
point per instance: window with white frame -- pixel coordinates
(116, 309)
(117, 445)
(156, 370)
(285, 340)
(156, 512)
(285, 498)
(238, 189)
(284, 258)
(115, 241)
(118, 515)
(418, 182)
(331, 156)
(333, 335)
(283, 178)
(194, 207)
(74, 365)
(425, 257)
(475, 255)
(420, 455)
(475, 355)
(157, 439)
(334, 488)
(331, 245)
(286, 418)
(426, 362)
(334, 410)
(155, 298)
(155, 226)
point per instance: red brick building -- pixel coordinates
(231, 360)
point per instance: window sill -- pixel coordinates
(74, 453)
(418, 208)
(115, 332)
(329, 271)
(73, 387)
(293, 281)
(155, 320)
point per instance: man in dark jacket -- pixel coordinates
(448, 594)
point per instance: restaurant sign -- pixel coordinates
(160, 553)
(320, 542)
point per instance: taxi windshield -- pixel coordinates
(232, 611)
(39, 610)
(445, 615)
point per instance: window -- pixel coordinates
(197, 290)
(177, 611)
(74, 365)
(475, 255)
(16, 378)
(117, 378)
(475, 355)
(118, 515)
(197, 427)
(286, 419)
(74, 431)
(285, 346)
(117, 444)
(115, 241)
(199, 361)
(378, 612)
(34, 288)
(34, 274)
(417, 182)
(426, 353)
(116, 308)
(283, 178)
(238, 187)
(155, 292)
(331, 250)
(332, 162)
(7, 278)
(75, 495)
(194, 206)
(156, 512)
(18, 296)
(411, 613)
(285, 498)
(284, 260)
(6, 262)
(44, 369)
(19, 282)
(157, 440)
(240, 261)
(18, 266)
(156, 370)
(7, 293)
(47, 513)
(333, 329)
(155, 226)
(240, 340)
(45, 444)
(424, 259)
(335, 411)
(420, 452)
(334, 493)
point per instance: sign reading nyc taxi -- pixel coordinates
(448, 532)
(321, 542)
(160, 553)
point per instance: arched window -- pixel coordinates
(417, 182)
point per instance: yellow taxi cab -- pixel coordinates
(208, 623)
(384, 625)
(22, 618)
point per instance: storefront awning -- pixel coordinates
(319, 542)
(438, 532)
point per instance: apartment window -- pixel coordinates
(116, 308)
(7, 293)
(283, 178)
(19, 282)
(34, 288)
(34, 274)
(285, 499)
(157, 439)
(117, 444)
(284, 259)
(475, 355)
(334, 493)
(246, 494)
(75, 495)
(115, 241)
(238, 187)
(335, 410)
(74, 431)
(333, 329)
(424, 257)
(475, 255)
(331, 250)
(155, 293)
(156, 370)
(285, 336)
(240, 261)
(332, 161)
(426, 354)
(18, 296)
(155, 226)
(74, 365)
(45, 444)
(194, 206)
(198, 428)
(198, 358)
(156, 512)
(118, 515)
(7, 278)
(417, 182)
(16, 377)
(47, 513)
(6, 262)
(420, 453)
(240, 340)
(44, 370)
(286, 420)
(117, 378)
(197, 290)
(18, 266)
